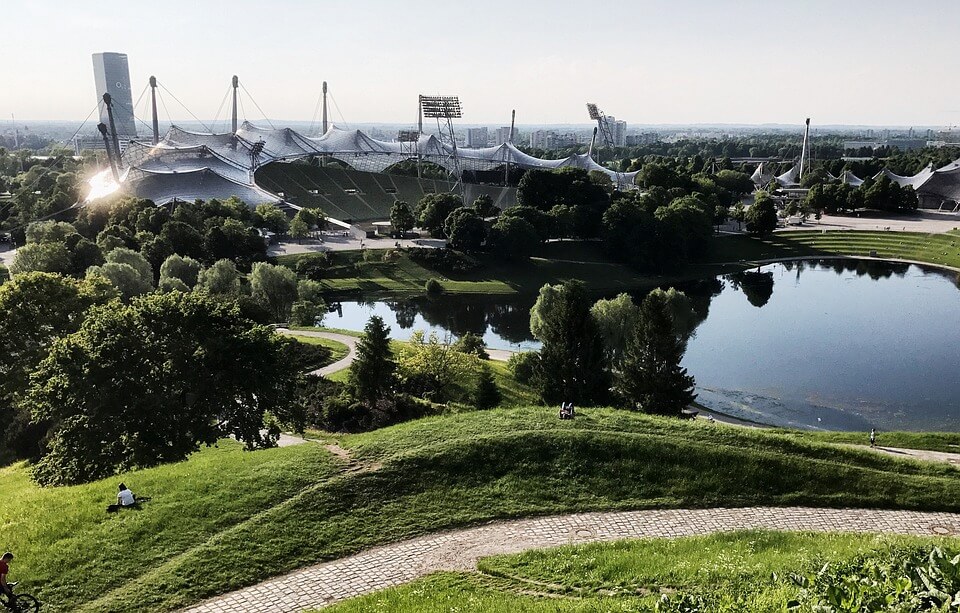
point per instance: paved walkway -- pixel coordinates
(399, 563)
(346, 339)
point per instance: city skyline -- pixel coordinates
(861, 63)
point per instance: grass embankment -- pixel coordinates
(938, 249)
(632, 575)
(370, 275)
(338, 350)
(422, 476)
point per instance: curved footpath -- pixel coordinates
(346, 339)
(399, 563)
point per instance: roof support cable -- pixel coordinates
(339, 112)
(185, 107)
(220, 108)
(258, 106)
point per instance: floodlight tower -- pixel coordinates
(597, 115)
(446, 108)
(805, 150)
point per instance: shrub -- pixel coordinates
(472, 343)
(301, 357)
(443, 260)
(312, 266)
(433, 287)
(524, 366)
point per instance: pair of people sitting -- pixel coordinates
(566, 410)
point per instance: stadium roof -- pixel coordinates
(189, 165)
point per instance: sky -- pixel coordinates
(872, 62)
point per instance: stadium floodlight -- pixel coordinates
(594, 111)
(441, 107)
(408, 136)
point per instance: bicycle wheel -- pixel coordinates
(26, 604)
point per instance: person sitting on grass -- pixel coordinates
(126, 498)
(4, 571)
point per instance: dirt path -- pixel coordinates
(399, 563)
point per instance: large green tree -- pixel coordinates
(573, 365)
(465, 229)
(761, 217)
(275, 287)
(651, 378)
(372, 371)
(148, 383)
(35, 309)
(401, 218)
(433, 209)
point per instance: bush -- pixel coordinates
(302, 357)
(312, 266)
(524, 366)
(472, 343)
(443, 260)
(433, 287)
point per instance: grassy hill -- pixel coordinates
(745, 571)
(228, 518)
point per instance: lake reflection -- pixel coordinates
(837, 344)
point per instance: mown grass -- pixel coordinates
(554, 262)
(457, 470)
(401, 276)
(338, 350)
(939, 249)
(69, 550)
(632, 575)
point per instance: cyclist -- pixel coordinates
(5, 588)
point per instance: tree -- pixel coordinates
(221, 278)
(738, 183)
(310, 306)
(465, 229)
(134, 260)
(433, 209)
(41, 257)
(275, 287)
(761, 217)
(651, 378)
(484, 207)
(401, 218)
(299, 229)
(512, 238)
(433, 370)
(372, 371)
(183, 238)
(473, 344)
(739, 214)
(125, 278)
(486, 394)
(615, 319)
(573, 367)
(49, 232)
(272, 218)
(35, 309)
(84, 253)
(186, 269)
(148, 383)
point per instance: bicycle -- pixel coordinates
(21, 603)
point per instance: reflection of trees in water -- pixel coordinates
(875, 269)
(700, 293)
(459, 316)
(405, 312)
(511, 320)
(756, 286)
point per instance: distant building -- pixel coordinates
(477, 137)
(111, 74)
(633, 140)
(903, 144)
(618, 131)
(501, 135)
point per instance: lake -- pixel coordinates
(832, 344)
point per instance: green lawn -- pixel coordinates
(371, 276)
(338, 350)
(225, 519)
(745, 570)
(940, 249)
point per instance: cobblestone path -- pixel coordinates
(459, 550)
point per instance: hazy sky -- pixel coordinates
(677, 61)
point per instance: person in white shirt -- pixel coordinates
(125, 497)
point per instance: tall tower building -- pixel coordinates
(112, 76)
